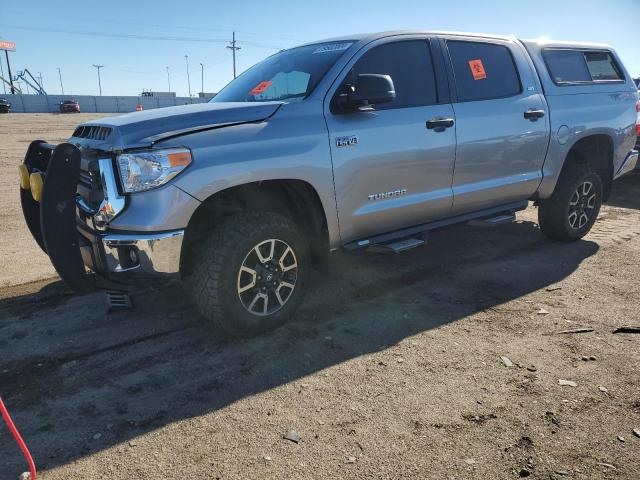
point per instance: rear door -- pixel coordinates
(501, 123)
(390, 169)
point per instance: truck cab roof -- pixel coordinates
(541, 41)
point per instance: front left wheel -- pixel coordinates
(252, 274)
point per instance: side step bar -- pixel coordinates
(492, 222)
(397, 247)
(503, 212)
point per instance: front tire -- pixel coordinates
(573, 208)
(253, 274)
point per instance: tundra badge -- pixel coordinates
(385, 195)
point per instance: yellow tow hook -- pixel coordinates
(36, 182)
(23, 172)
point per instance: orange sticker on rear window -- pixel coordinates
(477, 69)
(261, 87)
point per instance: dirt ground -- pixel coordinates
(391, 370)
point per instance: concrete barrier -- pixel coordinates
(93, 104)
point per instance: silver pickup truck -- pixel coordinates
(366, 141)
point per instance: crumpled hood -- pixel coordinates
(143, 129)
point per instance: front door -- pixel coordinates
(391, 168)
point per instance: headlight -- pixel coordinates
(141, 171)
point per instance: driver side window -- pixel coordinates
(409, 65)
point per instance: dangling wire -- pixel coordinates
(18, 438)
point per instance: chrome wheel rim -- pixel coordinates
(582, 205)
(267, 277)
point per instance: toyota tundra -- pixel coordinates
(365, 141)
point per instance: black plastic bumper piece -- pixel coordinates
(36, 160)
(55, 229)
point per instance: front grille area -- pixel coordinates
(92, 132)
(86, 180)
(89, 185)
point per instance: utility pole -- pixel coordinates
(13, 90)
(168, 80)
(99, 83)
(233, 49)
(186, 59)
(4, 85)
(40, 78)
(202, 78)
(60, 75)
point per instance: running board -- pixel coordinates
(418, 230)
(492, 222)
(397, 247)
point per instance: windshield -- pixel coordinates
(289, 75)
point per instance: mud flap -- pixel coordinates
(36, 160)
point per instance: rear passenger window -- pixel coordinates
(410, 67)
(483, 70)
(602, 66)
(579, 66)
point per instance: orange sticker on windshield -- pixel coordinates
(477, 69)
(261, 87)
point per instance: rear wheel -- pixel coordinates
(252, 275)
(571, 211)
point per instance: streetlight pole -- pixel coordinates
(60, 75)
(99, 83)
(202, 78)
(168, 80)
(233, 49)
(186, 59)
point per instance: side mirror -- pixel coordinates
(370, 89)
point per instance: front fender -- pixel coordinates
(292, 145)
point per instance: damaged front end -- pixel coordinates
(69, 196)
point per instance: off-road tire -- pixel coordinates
(554, 212)
(213, 284)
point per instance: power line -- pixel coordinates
(165, 25)
(132, 36)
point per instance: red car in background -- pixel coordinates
(69, 106)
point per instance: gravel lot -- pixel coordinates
(392, 369)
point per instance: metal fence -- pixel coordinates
(93, 104)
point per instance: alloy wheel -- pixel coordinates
(582, 205)
(267, 277)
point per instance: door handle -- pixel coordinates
(533, 114)
(439, 124)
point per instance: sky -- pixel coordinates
(137, 40)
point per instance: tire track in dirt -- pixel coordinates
(615, 227)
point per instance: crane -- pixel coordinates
(22, 75)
